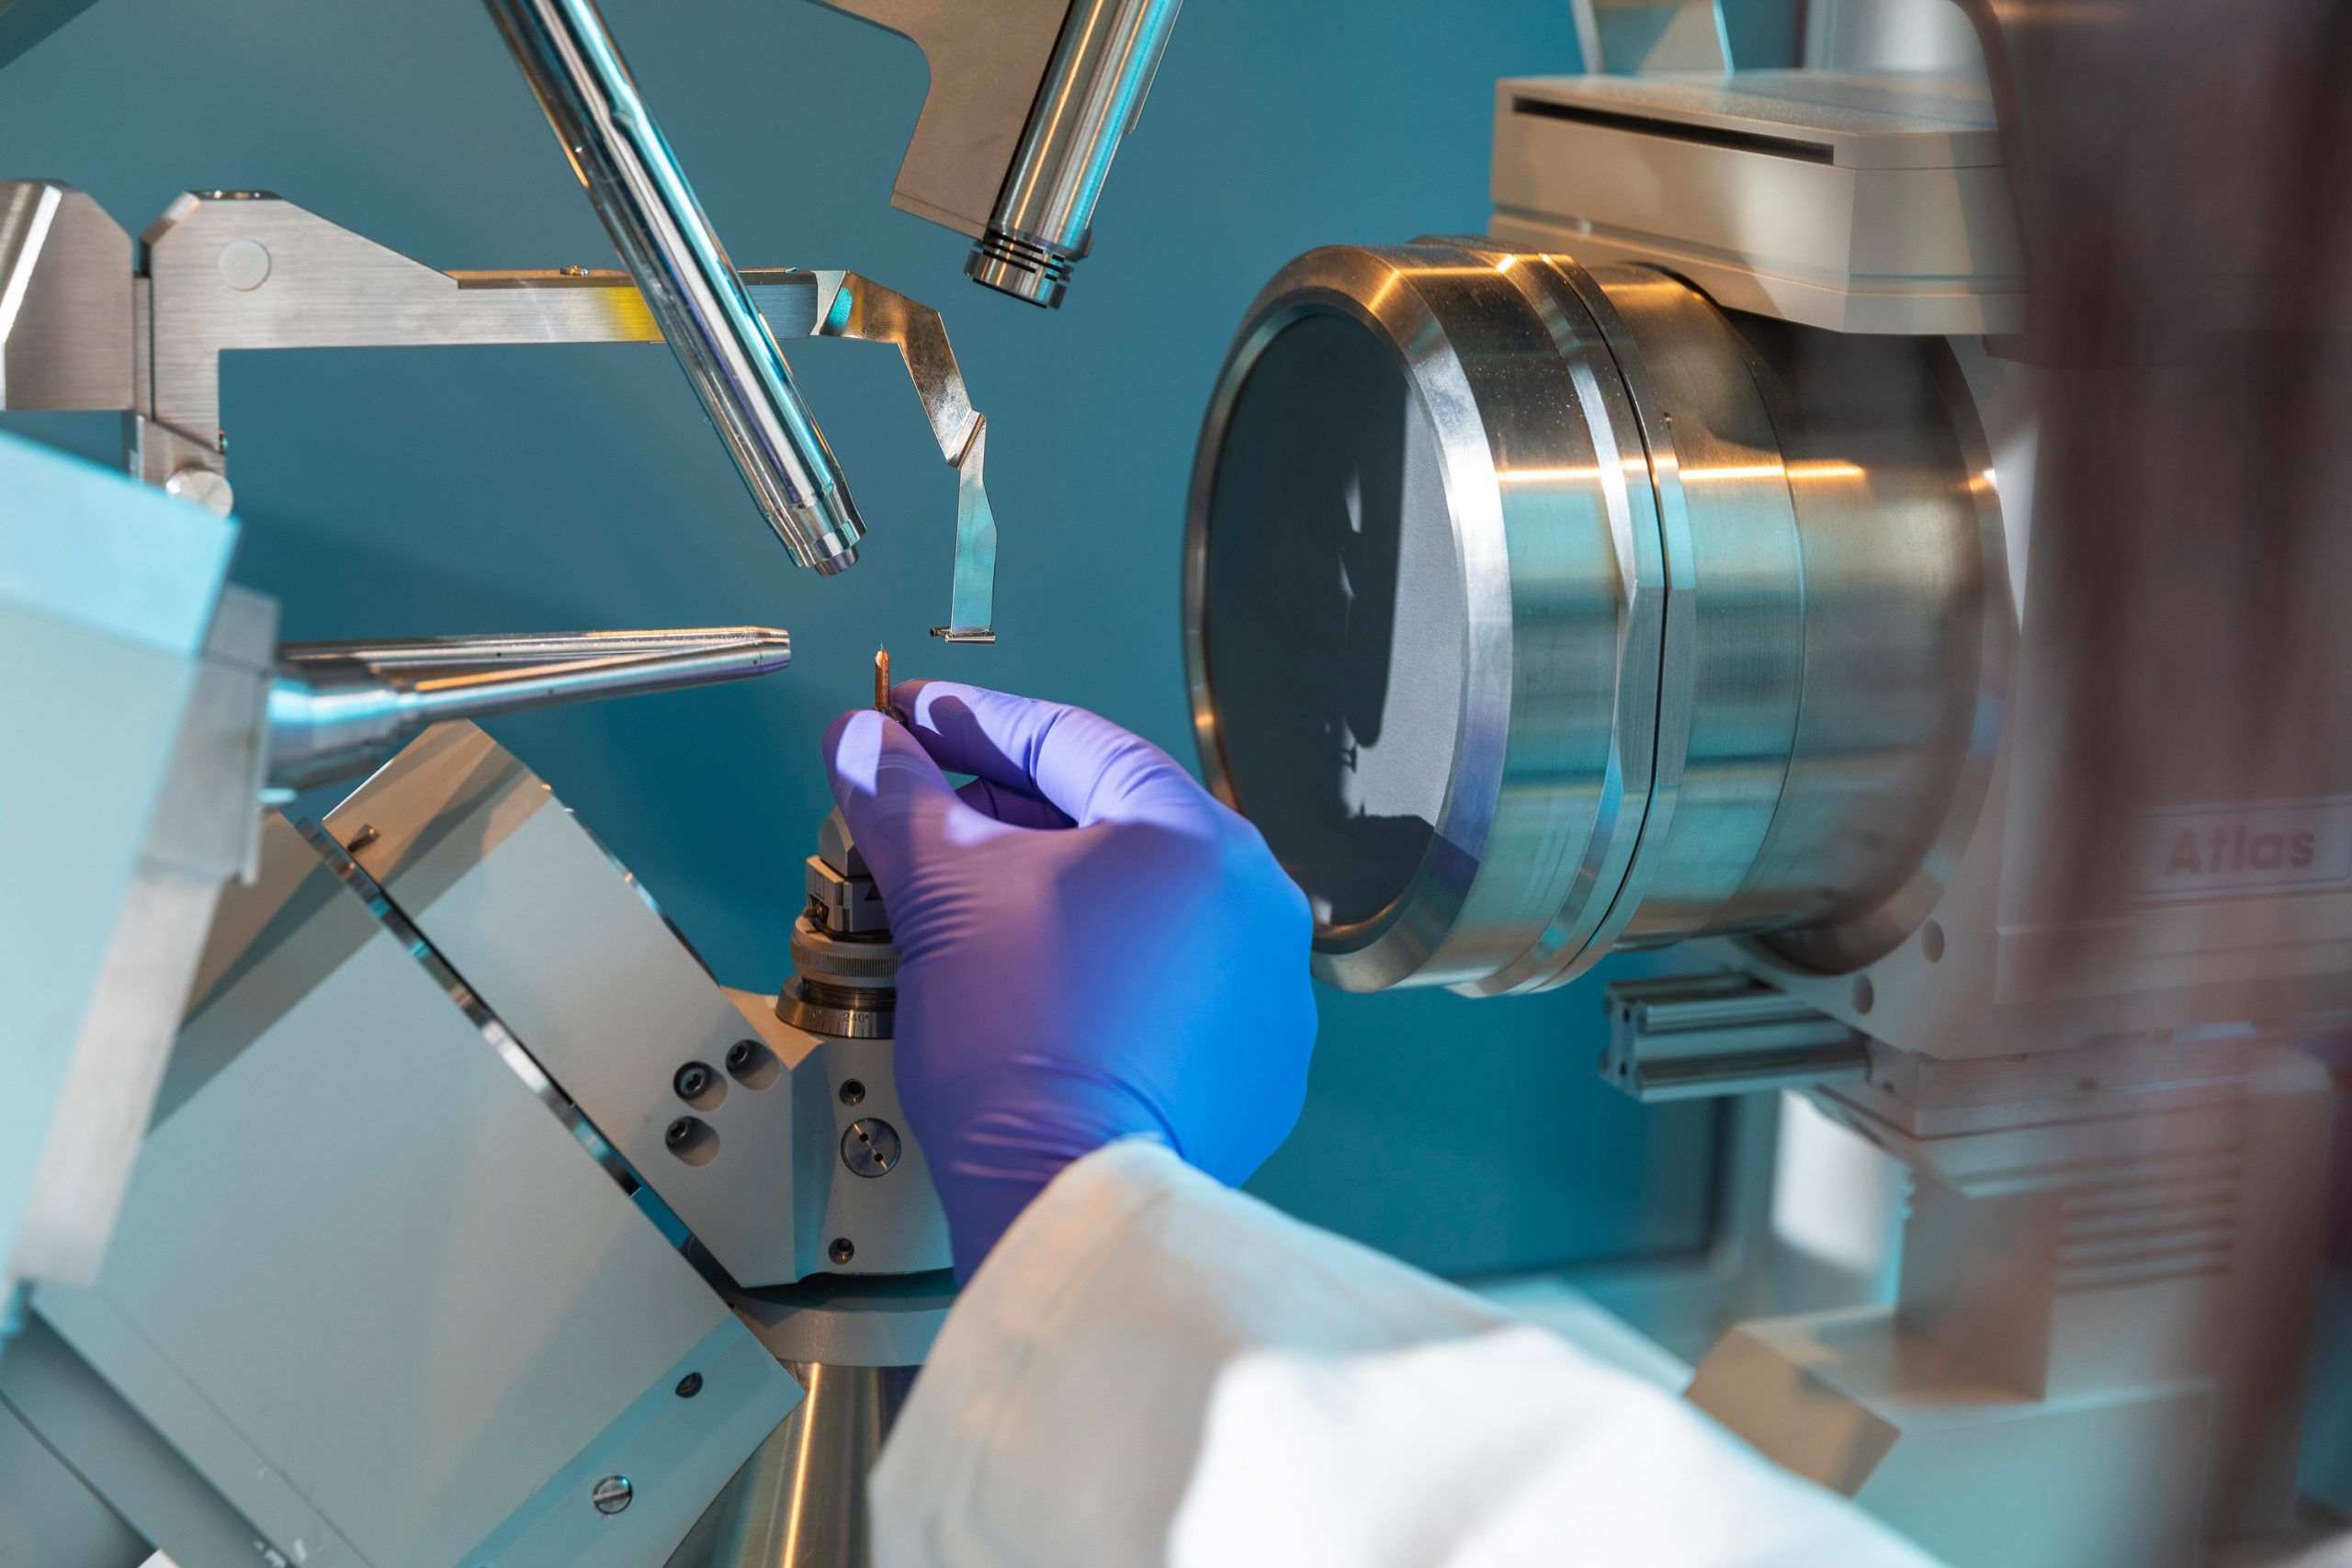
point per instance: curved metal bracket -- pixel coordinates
(852, 306)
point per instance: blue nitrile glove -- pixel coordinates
(1091, 948)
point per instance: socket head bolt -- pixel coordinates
(612, 1494)
(689, 1385)
(739, 1056)
(679, 1132)
(840, 1251)
(694, 1080)
(853, 1091)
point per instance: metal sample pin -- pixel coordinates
(882, 685)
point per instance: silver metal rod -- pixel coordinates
(332, 718)
(1044, 220)
(669, 247)
(452, 653)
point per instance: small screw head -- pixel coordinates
(612, 1494)
(852, 1091)
(841, 1251)
(201, 487)
(739, 1056)
(679, 1132)
(689, 1385)
(244, 265)
(693, 1081)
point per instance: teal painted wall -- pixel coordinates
(398, 493)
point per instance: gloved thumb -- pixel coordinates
(897, 802)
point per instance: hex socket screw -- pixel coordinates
(841, 1251)
(694, 1080)
(739, 1056)
(679, 1132)
(852, 1091)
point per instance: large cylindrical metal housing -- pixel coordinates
(1534, 611)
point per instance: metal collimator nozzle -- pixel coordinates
(338, 709)
(1044, 219)
(724, 346)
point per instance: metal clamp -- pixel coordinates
(1693, 1036)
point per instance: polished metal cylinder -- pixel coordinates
(336, 711)
(723, 344)
(1534, 611)
(845, 988)
(1094, 89)
(800, 1501)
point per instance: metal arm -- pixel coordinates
(668, 245)
(1027, 105)
(338, 709)
(249, 270)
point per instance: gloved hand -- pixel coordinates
(1091, 948)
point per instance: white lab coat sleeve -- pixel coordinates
(1150, 1369)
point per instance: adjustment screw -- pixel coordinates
(612, 1494)
(693, 1081)
(680, 1131)
(852, 1091)
(739, 1056)
(870, 1147)
(840, 1251)
(689, 1385)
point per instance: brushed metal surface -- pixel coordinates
(320, 286)
(66, 320)
(1726, 598)
(987, 65)
(1093, 93)
(329, 288)
(799, 1501)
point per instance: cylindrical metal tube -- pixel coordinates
(509, 650)
(725, 347)
(1534, 611)
(331, 719)
(1093, 90)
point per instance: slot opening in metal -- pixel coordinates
(1678, 131)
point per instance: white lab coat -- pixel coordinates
(1150, 1369)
